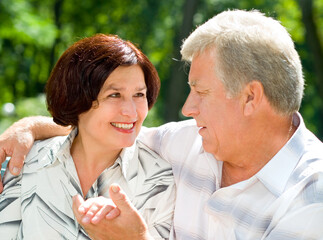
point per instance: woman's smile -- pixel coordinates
(123, 126)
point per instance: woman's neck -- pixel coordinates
(91, 159)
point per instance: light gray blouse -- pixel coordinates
(37, 204)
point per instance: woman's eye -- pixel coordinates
(114, 95)
(140, 94)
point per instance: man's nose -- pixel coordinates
(190, 108)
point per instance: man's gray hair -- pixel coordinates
(250, 46)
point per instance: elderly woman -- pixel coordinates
(102, 86)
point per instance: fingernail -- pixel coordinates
(85, 220)
(81, 209)
(15, 170)
(94, 219)
(115, 188)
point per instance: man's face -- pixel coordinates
(216, 115)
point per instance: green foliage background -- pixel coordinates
(34, 33)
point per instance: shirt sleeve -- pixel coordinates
(153, 137)
(10, 206)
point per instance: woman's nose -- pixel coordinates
(129, 109)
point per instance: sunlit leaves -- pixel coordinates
(34, 33)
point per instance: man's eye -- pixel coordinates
(201, 93)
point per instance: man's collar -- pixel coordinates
(275, 174)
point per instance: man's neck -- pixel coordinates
(254, 154)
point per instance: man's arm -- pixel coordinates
(18, 139)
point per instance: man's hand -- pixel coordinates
(128, 225)
(15, 142)
(18, 139)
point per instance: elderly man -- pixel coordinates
(247, 167)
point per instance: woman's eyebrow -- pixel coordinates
(116, 88)
(141, 88)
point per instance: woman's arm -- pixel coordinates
(18, 139)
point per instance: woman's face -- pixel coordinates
(116, 121)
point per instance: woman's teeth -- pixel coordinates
(123, 125)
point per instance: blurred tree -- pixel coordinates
(34, 33)
(315, 58)
(176, 94)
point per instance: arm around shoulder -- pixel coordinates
(18, 139)
(43, 127)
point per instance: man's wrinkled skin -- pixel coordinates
(18, 139)
(18, 144)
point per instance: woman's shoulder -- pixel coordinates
(153, 165)
(147, 154)
(43, 152)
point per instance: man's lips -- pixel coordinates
(200, 126)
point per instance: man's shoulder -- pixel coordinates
(312, 153)
(172, 129)
(180, 125)
(172, 140)
(309, 170)
(189, 123)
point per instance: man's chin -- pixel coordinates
(209, 146)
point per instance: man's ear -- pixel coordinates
(252, 96)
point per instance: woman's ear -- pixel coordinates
(252, 96)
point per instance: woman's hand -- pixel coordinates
(93, 210)
(122, 222)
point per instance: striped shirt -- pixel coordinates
(37, 204)
(284, 200)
